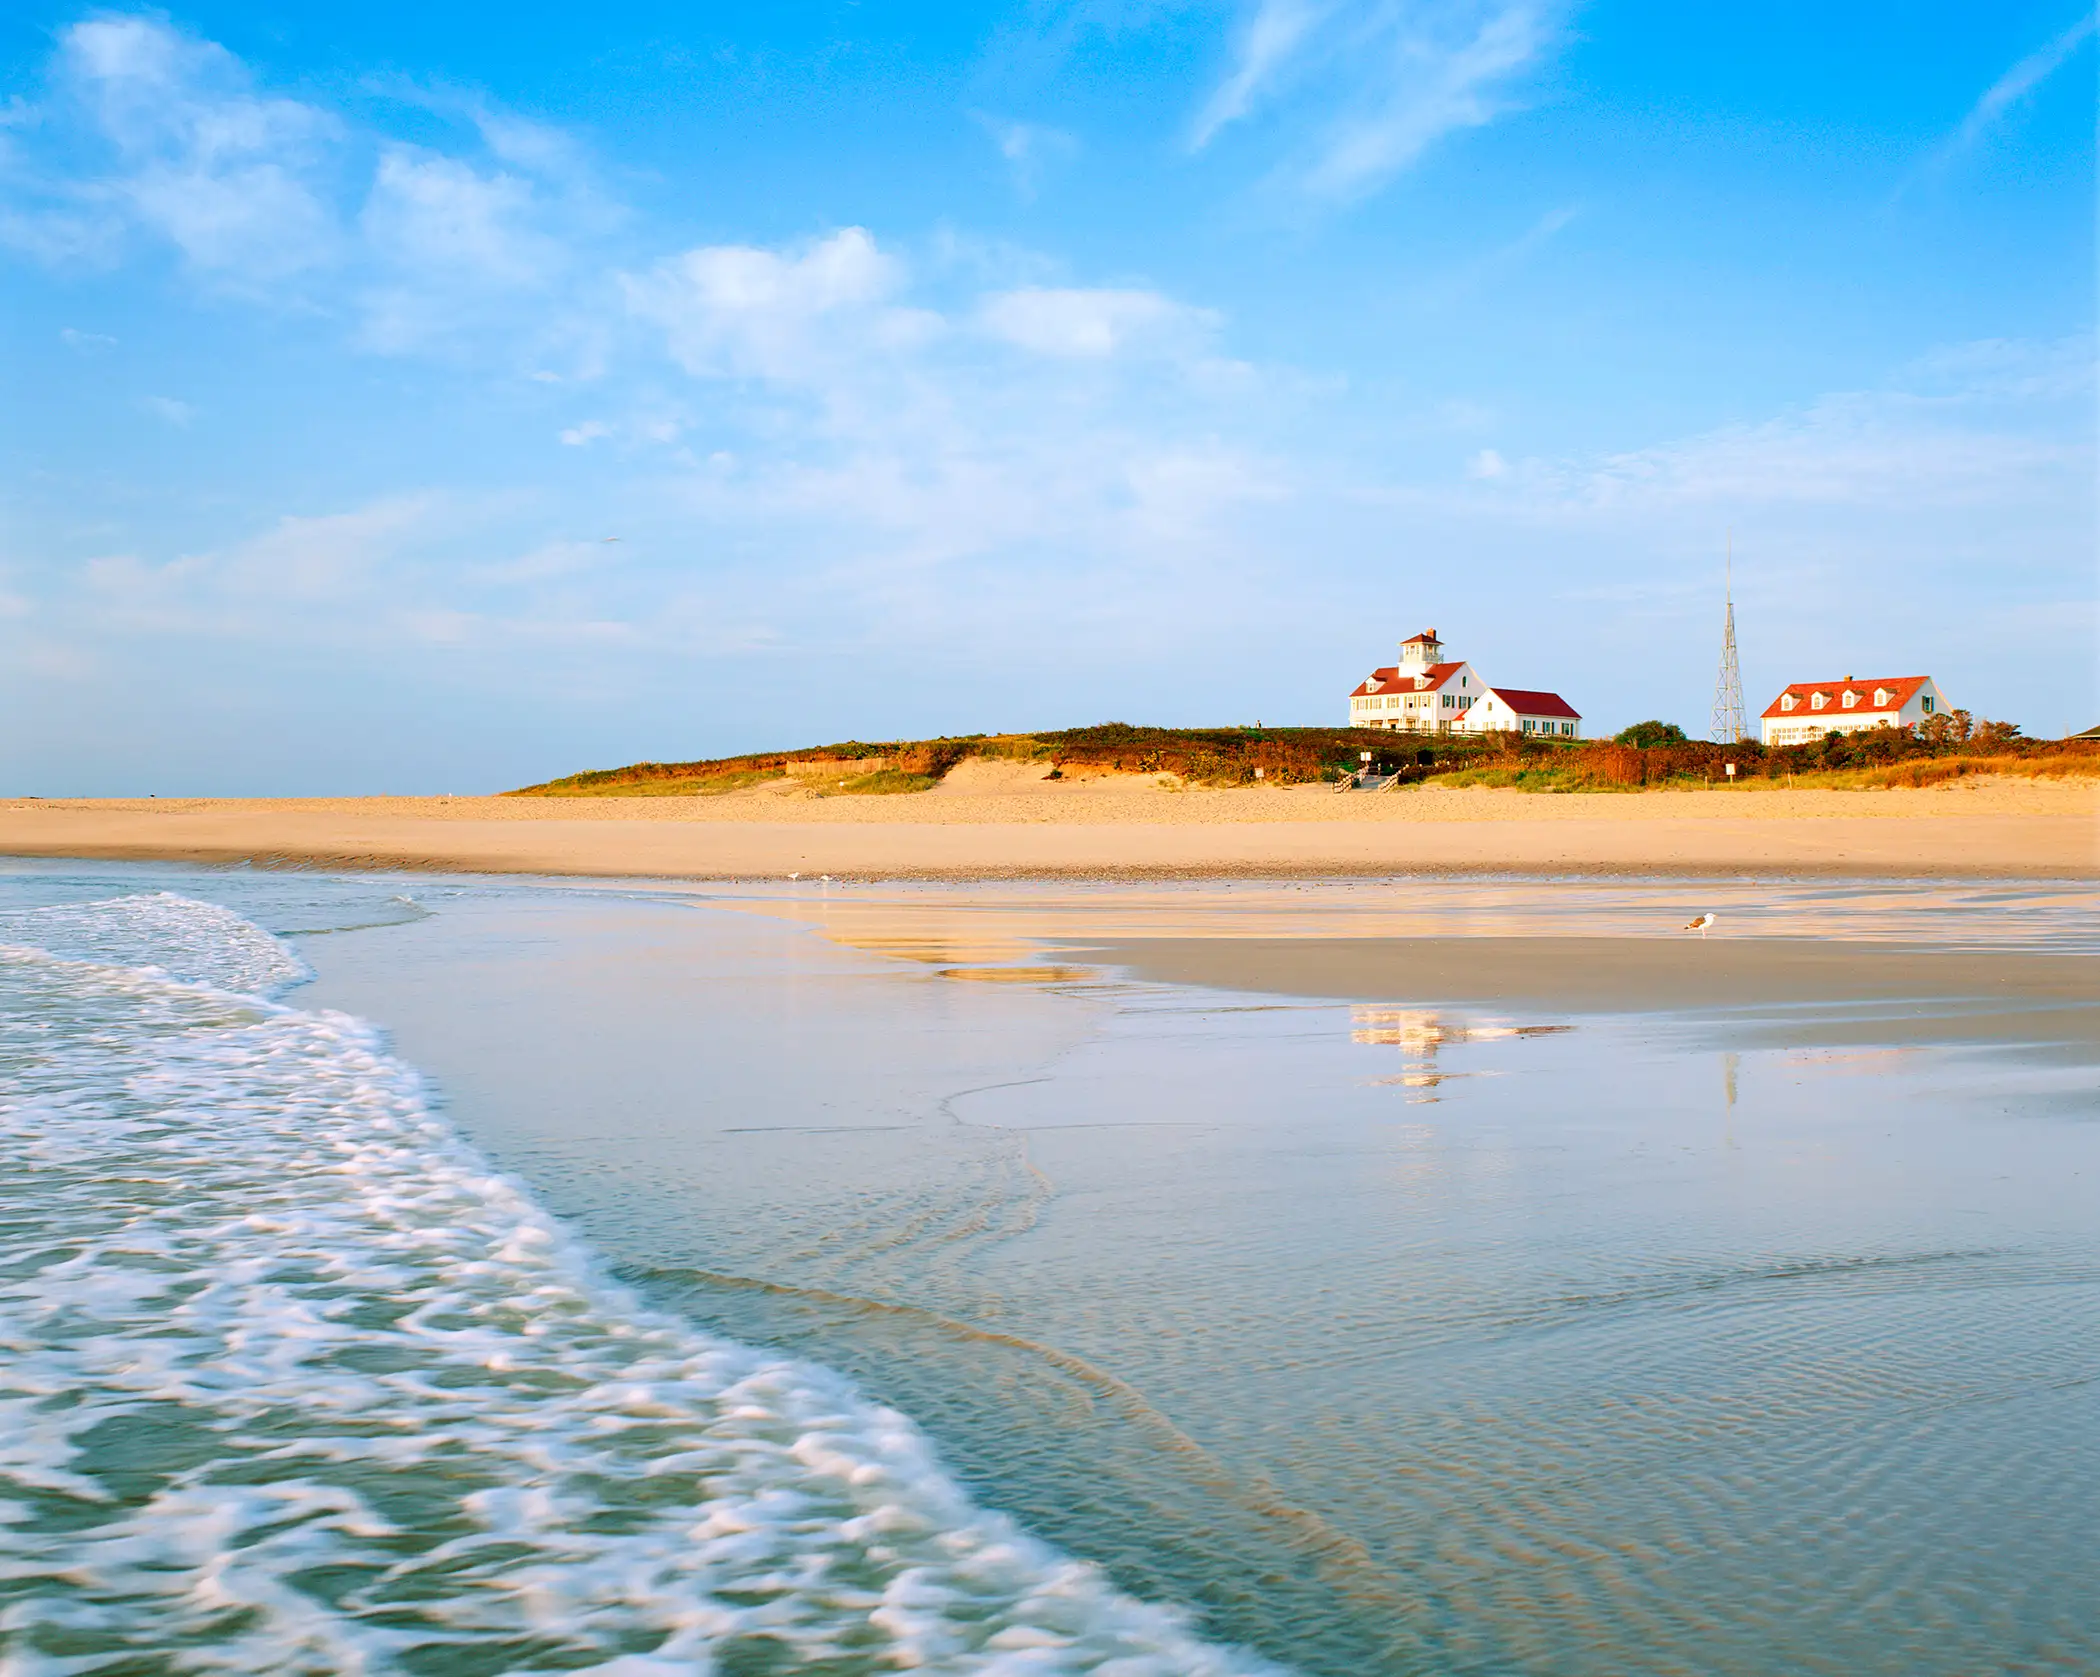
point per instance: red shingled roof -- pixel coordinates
(1899, 689)
(1425, 635)
(1525, 702)
(1390, 677)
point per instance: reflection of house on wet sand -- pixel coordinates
(1420, 1033)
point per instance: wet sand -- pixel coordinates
(1005, 823)
(1613, 975)
(1838, 960)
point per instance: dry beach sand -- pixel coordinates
(991, 820)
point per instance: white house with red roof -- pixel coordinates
(1523, 710)
(1427, 694)
(1810, 709)
(1421, 694)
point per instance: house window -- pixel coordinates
(1819, 701)
(1881, 697)
(1928, 704)
(1851, 698)
(1787, 701)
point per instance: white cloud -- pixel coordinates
(1091, 324)
(747, 311)
(331, 555)
(1379, 82)
(548, 560)
(197, 157)
(1487, 464)
(428, 212)
(1029, 148)
(460, 249)
(87, 343)
(168, 408)
(578, 436)
(482, 234)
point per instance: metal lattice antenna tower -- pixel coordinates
(1728, 685)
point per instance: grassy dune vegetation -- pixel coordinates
(1297, 756)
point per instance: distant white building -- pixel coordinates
(1810, 709)
(1521, 710)
(1421, 694)
(1426, 694)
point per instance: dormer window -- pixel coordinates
(1818, 701)
(1851, 698)
(1881, 698)
(1787, 701)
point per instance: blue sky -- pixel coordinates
(437, 398)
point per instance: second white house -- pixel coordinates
(1808, 710)
(1521, 710)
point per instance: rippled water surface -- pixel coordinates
(1379, 1338)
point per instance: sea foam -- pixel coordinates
(291, 1382)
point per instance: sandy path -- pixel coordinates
(1005, 822)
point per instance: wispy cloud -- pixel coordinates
(1472, 274)
(1030, 149)
(1092, 324)
(167, 407)
(1269, 43)
(1981, 427)
(1374, 84)
(148, 136)
(446, 237)
(191, 152)
(2009, 89)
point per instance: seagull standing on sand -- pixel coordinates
(1699, 925)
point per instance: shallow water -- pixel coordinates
(1385, 1339)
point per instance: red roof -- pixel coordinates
(1899, 689)
(1390, 676)
(1525, 702)
(1425, 635)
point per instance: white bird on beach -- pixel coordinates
(1699, 925)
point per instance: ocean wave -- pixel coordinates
(161, 932)
(291, 1382)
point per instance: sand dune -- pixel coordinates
(997, 820)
